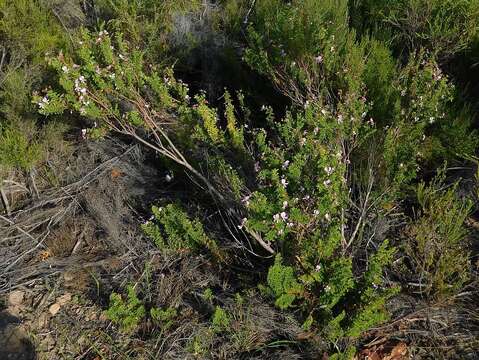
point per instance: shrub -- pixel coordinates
(444, 27)
(126, 313)
(436, 240)
(220, 320)
(172, 229)
(164, 318)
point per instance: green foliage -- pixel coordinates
(445, 27)
(172, 229)
(17, 150)
(436, 243)
(29, 30)
(126, 313)
(220, 320)
(164, 318)
(283, 284)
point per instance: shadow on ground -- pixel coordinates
(14, 343)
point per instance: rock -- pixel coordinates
(54, 308)
(62, 300)
(68, 276)
(16, 298)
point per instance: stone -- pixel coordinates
(16, 298)
(54, 308)
(62, 300)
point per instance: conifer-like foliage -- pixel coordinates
(311, 183)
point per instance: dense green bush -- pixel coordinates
(444, 27)
(436, 243)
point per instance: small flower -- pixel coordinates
(280, 232)
(290, 224)
(316, 212)
(327, 217)
(316, 130)
(284, 216)
(285, 204)
(431, 120)
(169, 177)
(276, 218)
(284, 182)
(243, 223)
(327, 288)
(329, 170)
(318, 59)
(256, 167)
(340, 119)
(83, 133)
(327, 182)
(403, 92)
(318, 267)
(285, 165)
(302, 141)
(64, 68)
(245, 200)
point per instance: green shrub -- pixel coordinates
(126, 313)
(164, 318)
(29, 30)
(436, 240)
(172, 229)
(283, 284)
(220, 320)
(445, 27)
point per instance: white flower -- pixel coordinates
(284, 216)
(340, 119)
(327, 288)
(318, 267)
(276, 218)
(290, 224)
(83, 133)
(284, 182)
(431, 120)
(327, 182)
(327, 217)
(307, 197)
(245, 200)
(329, 170)
(324, 112)
(285, 165)
(302, 141)
(64, 68)
(316, 130)
(285, 204)
(243, 222)
(316, 212)
(403, 92)
(256, 166)
(280, 232)
(318, 59)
